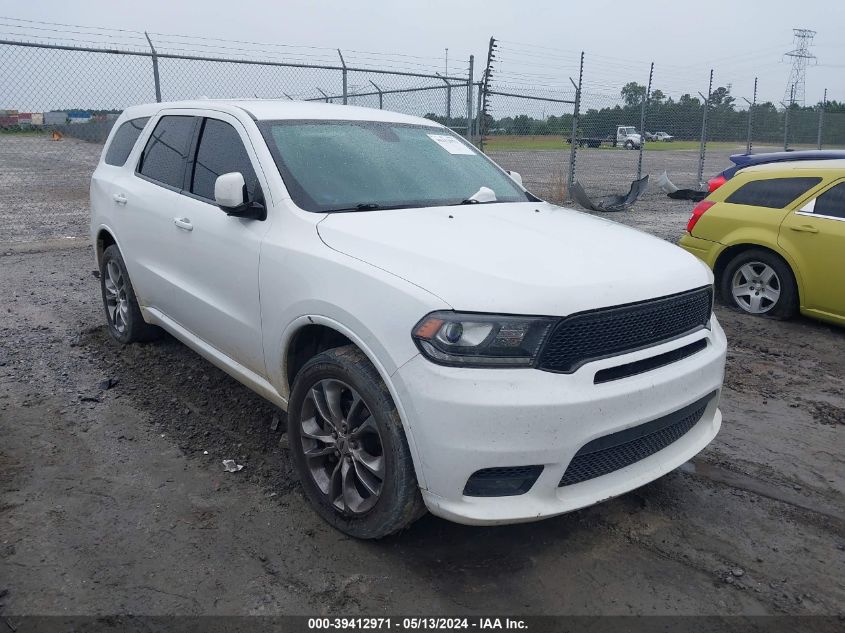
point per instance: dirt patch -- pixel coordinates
(110, 503)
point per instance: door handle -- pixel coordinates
(804, 228)
(120, 198)
(183, 223)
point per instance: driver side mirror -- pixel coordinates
(515, 177)
(231, 195)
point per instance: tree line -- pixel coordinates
(680, 117)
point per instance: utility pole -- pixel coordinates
(801, 56)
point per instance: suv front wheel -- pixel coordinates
(349, 448)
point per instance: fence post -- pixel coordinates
(343, 63)
(324, 95)
(702, 149)
(469, 98)
(576, 110)
(485, 91)
(380, 95)
(448, 99)
(155, 68)
(478, 111)
(751, 105)
(642, 123)
(787, 108)
(821, 119)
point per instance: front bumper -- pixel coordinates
(465, 420)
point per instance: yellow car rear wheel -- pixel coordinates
(759, 282)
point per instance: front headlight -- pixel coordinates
(481, 340)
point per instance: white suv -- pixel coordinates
(439, 337)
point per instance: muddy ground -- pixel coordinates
(113, 498)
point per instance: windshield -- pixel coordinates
(629, 130)
(361, 165)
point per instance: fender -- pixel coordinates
(771, 246)
(317, 319)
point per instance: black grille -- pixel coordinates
(615, 451)
(588, 336)
(502, 481)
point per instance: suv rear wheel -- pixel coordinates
(761, 283)
(349, 448)
(126, 325)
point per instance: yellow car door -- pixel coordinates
(814, 236)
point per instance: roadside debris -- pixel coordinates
(230, 466)
(274, 423)
(108, 383)
(673, 192)
(610, 203)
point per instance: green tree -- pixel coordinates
(633, 93)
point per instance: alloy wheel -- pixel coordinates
(117, 303)
(342, 446)
(756, 287)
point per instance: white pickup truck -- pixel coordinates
(628, 137)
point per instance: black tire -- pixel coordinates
(130, 326)
(399, 502)
(786, 304)
(629, 145)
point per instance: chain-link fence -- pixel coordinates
(60, 102)
(553, 116)
(560, 117)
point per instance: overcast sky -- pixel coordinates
(739, 39)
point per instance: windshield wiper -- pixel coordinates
(367, 206)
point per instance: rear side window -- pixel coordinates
(220, 151)
(775, 193)
(831, 202)
(124, 140)
(166, 153)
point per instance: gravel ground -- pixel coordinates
(110, 504)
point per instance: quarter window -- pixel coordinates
(166, 153)
(124, 140)
(774, 193)
(831, 202)
(220, 151)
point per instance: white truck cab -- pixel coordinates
(628, 137)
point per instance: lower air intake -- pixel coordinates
(502, 482)
(613, 452)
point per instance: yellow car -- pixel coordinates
(774, 236)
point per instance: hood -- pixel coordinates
(516, 258)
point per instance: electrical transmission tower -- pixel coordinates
(801, 56)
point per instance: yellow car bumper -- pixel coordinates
(706, 250)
